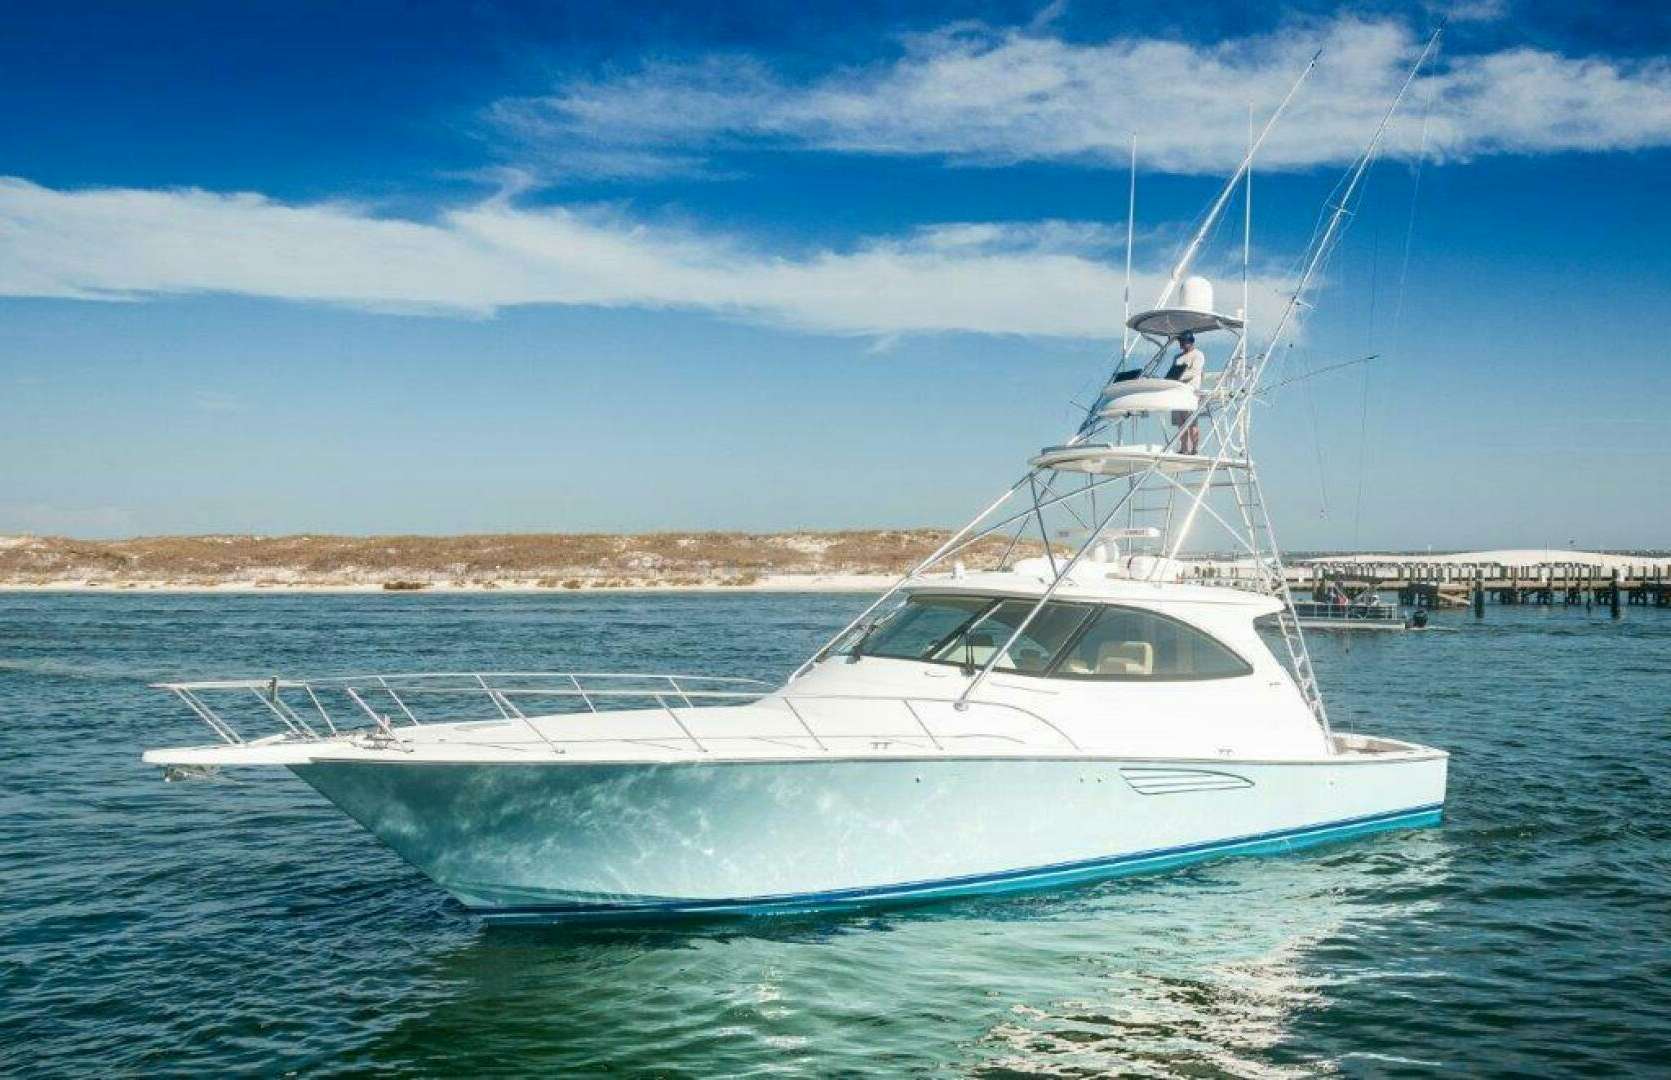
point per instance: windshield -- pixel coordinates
(922, 628)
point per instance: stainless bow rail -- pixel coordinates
(387, 710)
(312, 709)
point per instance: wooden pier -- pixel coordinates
(1449, 584)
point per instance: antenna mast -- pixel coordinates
(1131, 225)
(1247, 232)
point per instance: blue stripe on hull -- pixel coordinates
(1008, 881)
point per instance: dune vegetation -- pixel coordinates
(523, 560)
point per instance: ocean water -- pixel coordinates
(249, 927)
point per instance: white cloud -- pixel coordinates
(1460, 11)
(975, 94)
(1034, 278)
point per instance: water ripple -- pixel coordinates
(249, 927)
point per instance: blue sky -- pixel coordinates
(481, 267)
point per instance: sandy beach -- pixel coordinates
(852, 561)
(770, 583)
(809, 561)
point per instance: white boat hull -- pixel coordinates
(566, 840)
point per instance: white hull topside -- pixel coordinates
(551, 839)
(545, 819)
(863, 780)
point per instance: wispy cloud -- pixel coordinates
(1035, 278)
(974, 94)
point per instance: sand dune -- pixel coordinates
(852, 560)
(532, 561)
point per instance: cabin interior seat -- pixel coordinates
(1117, 658)
(1126, 658)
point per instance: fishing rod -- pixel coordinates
(1319, 371)
(1076, 404)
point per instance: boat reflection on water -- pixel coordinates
(1205, 971)
(1217, 984)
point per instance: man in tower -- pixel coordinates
(1187, 369)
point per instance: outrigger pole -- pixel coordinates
(1187, 259)
(1331, 231)
(1180, 269)
(1127, 344)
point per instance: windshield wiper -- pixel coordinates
(859, 645)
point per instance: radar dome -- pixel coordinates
(1196, 294)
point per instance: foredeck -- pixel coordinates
(581, 716)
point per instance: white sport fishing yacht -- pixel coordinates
(1076, 710)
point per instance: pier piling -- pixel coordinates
(1439, 586)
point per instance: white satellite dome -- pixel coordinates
(1191, 313)
(1196, 294)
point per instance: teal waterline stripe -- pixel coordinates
(1003, 882)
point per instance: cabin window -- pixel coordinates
(1033, 650)
(1127, 643)
(968, 629)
